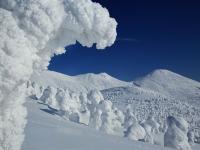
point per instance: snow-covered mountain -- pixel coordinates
(171, 85)
(162, 92)
(79, 83)
(158, 95)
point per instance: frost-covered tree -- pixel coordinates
(129, 119)
(135, 132)
(191, 136)
(107, 124)
(69, 103)
(95, 120)
(176, 134)
(83, 101)
(149, 137)
(151, 127)
(110, 122)
(33, 31)
(119, 116)
(153, 124)
(48, 96)
(94, 97)
(60, 98)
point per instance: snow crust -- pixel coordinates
(33, 31)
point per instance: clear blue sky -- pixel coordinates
(151, 35)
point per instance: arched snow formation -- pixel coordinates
(31, 32)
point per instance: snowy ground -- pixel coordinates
(46, 130)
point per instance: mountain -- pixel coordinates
(172, 85)
(79, 83)
(159, 94)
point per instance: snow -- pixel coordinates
(135, 132)
(176, 134)
(172, 85)
(138, 111)
(31, 33)
(160, 102)
(46, 130)
(79, 83)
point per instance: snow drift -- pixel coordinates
(33, 31)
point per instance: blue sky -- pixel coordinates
(151, 35)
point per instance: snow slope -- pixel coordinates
(79, 83)
(171, 85)
(46, 130)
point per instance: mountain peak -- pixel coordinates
(162, 72)
(170, 84)
(78, 83)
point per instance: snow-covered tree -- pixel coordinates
(107, 124)
(153, 123)
(69, 103)
(176, 134)
(149, 137)
(130, 118)
(48, 96)
(135, 132)
(110, 122)
(84, 101)
(95, 120)
(33, 31)
(151, 127)
(119, 116)
(34, 90)
(94, 97)
(191, 136)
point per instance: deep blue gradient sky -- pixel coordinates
(151, 35)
